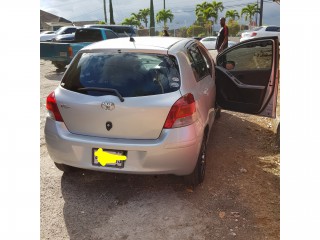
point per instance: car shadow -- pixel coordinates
(55, 75)
(239, 178)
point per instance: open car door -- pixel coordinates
(247, 77)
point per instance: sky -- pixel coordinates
(184, 11)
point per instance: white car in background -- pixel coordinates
(210, 42)
(263, 31)
(63, 30)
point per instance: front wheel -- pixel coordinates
(197, 176)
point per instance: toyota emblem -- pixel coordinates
(107, 106)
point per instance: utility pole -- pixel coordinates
(261, 12)
(164, 4)
(105, 11)
(257, 14)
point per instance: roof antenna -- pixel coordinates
(131, 38)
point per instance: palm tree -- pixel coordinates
(233, 14)
(217, 7)
(207, 10)
(111, 12)
(164, 16)
(131, 21)
(144, 13)
(200, 11)
(136, 16)
(249, 11)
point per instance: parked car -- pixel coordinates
(46, 32)
(210, 42)
(63, 30)
(146, 105)
(120, 30)
(197, 38)
(263, 31)
(60, 53)
(64, 38)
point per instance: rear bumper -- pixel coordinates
(174, 152)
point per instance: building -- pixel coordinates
(51, 22)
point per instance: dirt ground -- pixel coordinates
(239, 199)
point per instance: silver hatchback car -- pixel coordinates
(146, 105)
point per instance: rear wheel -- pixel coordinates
(197, 176)
(59, 65)
(64, 168)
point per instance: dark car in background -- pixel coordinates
(120, 30)
(64, 38)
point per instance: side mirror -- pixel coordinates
(230, 65)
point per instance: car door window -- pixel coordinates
(207, 59)
(249, 57)
(198, 62)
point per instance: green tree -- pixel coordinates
(136, 16)
(249, 11)
(217, 7)
(234, 27)
(200, 13)
(206, 11)
(144, 13)
(101, 22)
(232, 14)
(131, 21)
(111, 12)
(152, 24)
(164, 16)
(195, 31)
(181, 32)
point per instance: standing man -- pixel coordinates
(222, 40)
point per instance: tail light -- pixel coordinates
(52, 108)
(182, 113)
(70, 53)
(253, 34)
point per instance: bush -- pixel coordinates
(234, 27)
(195, 30)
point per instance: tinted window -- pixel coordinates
(122, 31)
(110, 35)
(70, 30)
(88, 35)
(199, 64)
(207, 59)
(273, 29)
(132, 74)
(250, 56)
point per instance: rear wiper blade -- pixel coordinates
(110, 90)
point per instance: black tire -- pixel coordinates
(60, 66)
(64, 168)
(198, 174)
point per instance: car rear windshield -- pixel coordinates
(131, 74)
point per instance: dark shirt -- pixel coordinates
(224, 31)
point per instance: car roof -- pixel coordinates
(154, 43)
(106, 25)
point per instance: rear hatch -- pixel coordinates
(118, 95)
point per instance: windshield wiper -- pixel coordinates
(110, 90)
